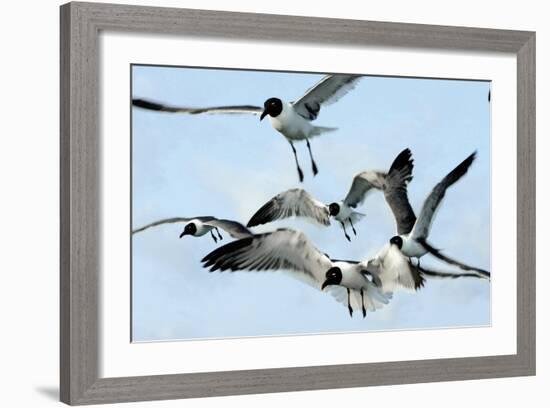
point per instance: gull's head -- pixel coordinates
(333, 209)
(272, 107)
(397, 241)
(190, 229)
(332, 277)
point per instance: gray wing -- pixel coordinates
(431, 204)
(328, 90)
(172, 220)
(295, 202)
(283, 249)
(232, 109)
(395, 192)
(362, 183)
(233, 228)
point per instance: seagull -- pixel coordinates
(412, 241)
(291, 119)
(199, 226)
(392, 270)
(298, 202)
(292, 251)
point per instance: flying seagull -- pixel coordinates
(392, 270)
(199, 226)
(413, 241)
(291, 119)
(298, 202)
(292, 251)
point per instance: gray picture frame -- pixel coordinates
(81, 24)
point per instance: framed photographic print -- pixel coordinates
(260, 203)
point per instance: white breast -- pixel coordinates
(201, 228)
(351, 278)
(290, 124)
(344, 213)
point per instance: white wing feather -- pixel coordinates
(291, 203)
(328, 90)
(392, 270)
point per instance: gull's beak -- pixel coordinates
(328, 282)
(183, 233)
(263, 115)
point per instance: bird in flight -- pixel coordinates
(199, 226)
(412, 232)
(392, 270)
(298, 202)
(291, 119)
(291, 251)
(365, 286)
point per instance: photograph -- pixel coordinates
(269, 203)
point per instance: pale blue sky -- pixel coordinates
(228, 166)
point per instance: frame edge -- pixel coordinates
(526, 204)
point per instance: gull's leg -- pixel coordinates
(219, 235)
(213, 236)
(352, 227)
(363, 304)
(313, 164)
(300, 173)
(345, 233)
(349, 305)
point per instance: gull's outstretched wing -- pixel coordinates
(284, 249)
(449, 275)
(482, 273)
(233, 228)
(328, 90)
(172, 220)
(291, 203)
(361, 185)
(232, 109)
(431, 204)
(395, 192)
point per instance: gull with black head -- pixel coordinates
(291, 119)
(411, 238)
(199, 226)
(291, 251)
(391, 270)
(298, 202)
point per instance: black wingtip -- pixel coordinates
(144, 104)
(262, 216)
(222, 258)
(419, 282)
(461, 169)
(402, 160)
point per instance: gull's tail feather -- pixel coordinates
(319, 130)
(356, 216)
